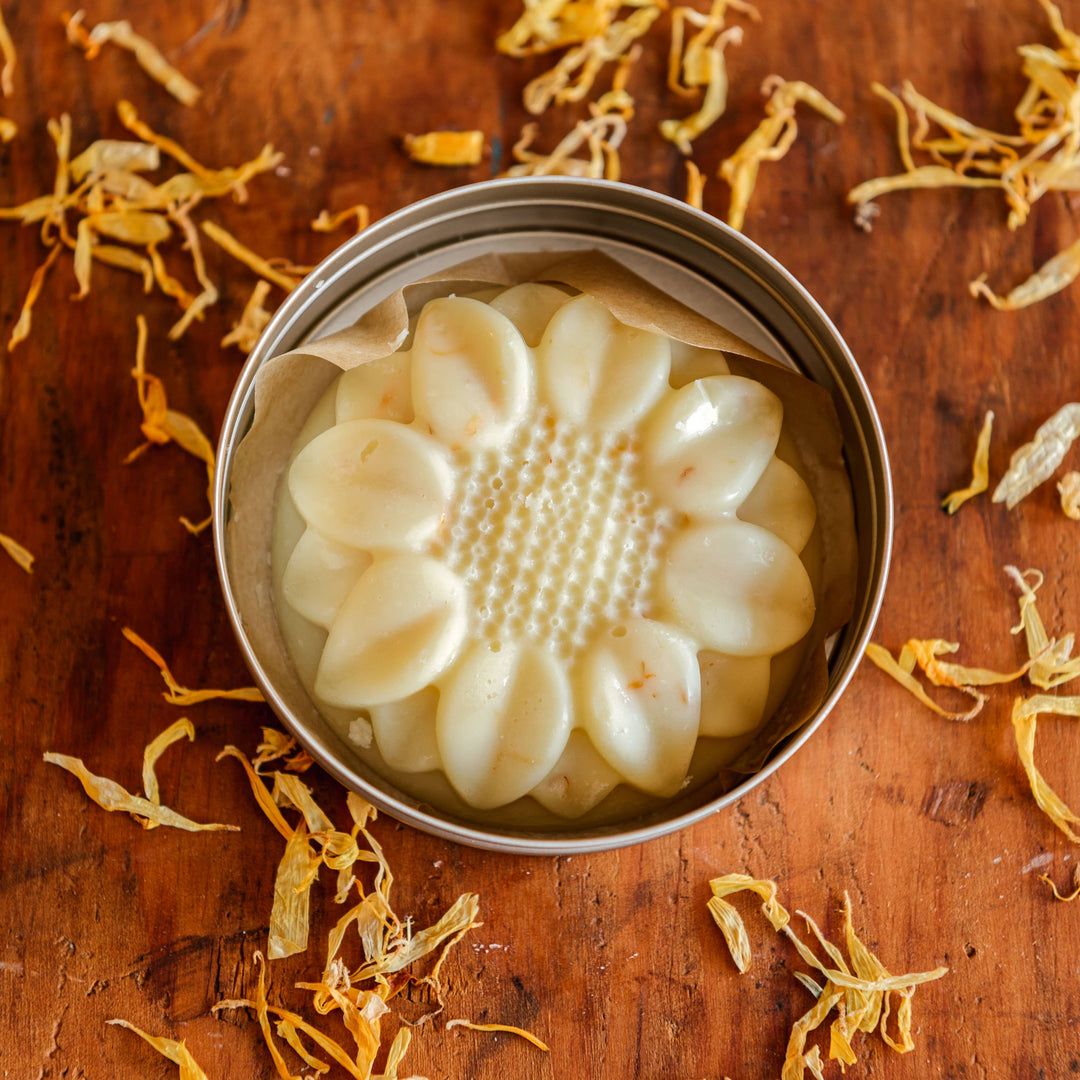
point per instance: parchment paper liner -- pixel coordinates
(288, 386)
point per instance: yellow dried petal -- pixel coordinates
(176, 694)
(115, 155)
(162, 425)
(21, 330)
(1053, 276)
(288, 1032)
(7, 50)
(446, 147)
(110, 796)
(1052, 662)
(683, 132)
(695, 186)
(146, 54)
(980, 469)
(1036, 461)
(1058, 896)
(926, 652)
(8, 129)
(125, 259)
(17, 552)
(176, 1051)
(248, 257)
(729, 920)
(259, 790)
(498, 1027)
(253, 319)
(290, 914)
(182, 729)
(1069, 490)
(300, 1024)
(327, 222)
(770, 140)
(884, 660)
(1025, 714)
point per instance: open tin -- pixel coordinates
(712, 270)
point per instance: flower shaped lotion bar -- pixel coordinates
(545, 563)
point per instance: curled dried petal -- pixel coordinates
(147, 55)
(980, 469)
(498, 1027)
(176, 1051)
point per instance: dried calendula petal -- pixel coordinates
(1025, 714)
(121, 155)
(884, 660)
(145, 52)
(21, 330)
(162, 425)
(1076, 889)
(176, 694)
(1036, 461)
(498, 1027)
(327, 222)
(695, 186)
(253, 319)
(182, 729)
(858, 988)
(1069, 490)
(237, 250)
(683, 132)
(176, 1051)
(771, 140)
(17, 552)
(445, 147)
(980, 469)
(926, 652)
(7, 50)
(109, 795)
(1053, 276)
(1052, 662)
(729, 920)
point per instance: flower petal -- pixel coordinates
(707, 444)
(372, 484)
(530, 307)
(405, 731)
(598, 373)
(472, 375)
(398, 630)
(504, 718)
(379, 389)
(580, 779)
(319, 575)
(737, 588)
(782, 503)
(734, 690)
(641, 695)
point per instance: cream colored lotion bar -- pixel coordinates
(543, 552)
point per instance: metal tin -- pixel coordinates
(720, 274)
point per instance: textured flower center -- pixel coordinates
(555, 535)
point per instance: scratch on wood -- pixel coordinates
(955, 803)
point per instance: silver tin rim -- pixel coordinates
(619, 215)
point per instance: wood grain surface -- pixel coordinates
(612, 959)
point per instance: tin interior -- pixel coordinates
(712, 269)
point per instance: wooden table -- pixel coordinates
(613, 958)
